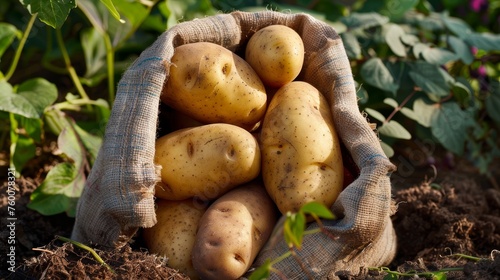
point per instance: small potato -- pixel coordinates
(276, 52)
(213, 85)
(232, 232)
(174, 234)
(205, 161)
(301, 156)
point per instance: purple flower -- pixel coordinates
(478, 5)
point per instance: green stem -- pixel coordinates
(413, 274)
(19, 49)
(69, 67)
(280, 258)
(87, 248)
(110, 59)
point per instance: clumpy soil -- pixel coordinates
(443, 219)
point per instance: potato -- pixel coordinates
(174, 234)
(212, 84)
(232, 232)
(301, 156)
(276, 52)
(205, 161)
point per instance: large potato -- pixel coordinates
(205, 161)
(232, 232)
(301, 156)
(174, 234)
(276, 52)
(212, 84)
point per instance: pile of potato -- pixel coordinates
(259, 142)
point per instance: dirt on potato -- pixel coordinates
(440, 221)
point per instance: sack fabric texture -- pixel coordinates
(119, 196)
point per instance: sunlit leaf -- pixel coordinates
(51, 12)
(31, 100)
(7, 34)
(424, 112)
(377, 115)
(394, 129)
(438, 56)
(391, 102)
(111, 8)
(393, 34)
(351, 45)
(317, 209)
(262, 272)
(388, 150)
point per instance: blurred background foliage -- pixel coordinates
(426, 71)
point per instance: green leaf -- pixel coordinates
(393, 34)
(391, 276)
(91, 143)
(438, 56)
(51, 12)
(364, 20)
(484, 41)
(262, 272)
(424, 112)
(22, 148)
(457, 26)
(7, 34)
(388, 150)
(62, 187)
(439, 275)
(449, 125)
(394, 129)
(391, 102)
(396, 9)
(59, 192)
(492, 101)
(409, 39)
(431, 78)
(375, 73)
(94, 51)
(351, 45)
(462, 50)
(461, 92)
(375, 114)
(318, 209)
(112, 9)
(293, 229)
(31, 100)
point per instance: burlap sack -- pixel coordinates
(119, 195)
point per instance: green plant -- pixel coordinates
(292, 228)
(90, 46)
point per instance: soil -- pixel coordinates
(448, 218)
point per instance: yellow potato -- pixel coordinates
(276, 52)
(205, 161)
(174, 234)
(212, 84)
(301, 156)
(232, 232)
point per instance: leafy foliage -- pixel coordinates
(422, 69)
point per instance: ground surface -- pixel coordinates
(438, 217)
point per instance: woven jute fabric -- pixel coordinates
(119, 196)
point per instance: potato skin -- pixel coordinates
(174, 234)
(276, 52)
(205, 161)
(301, 156)
(232, 232)
(213, 85)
